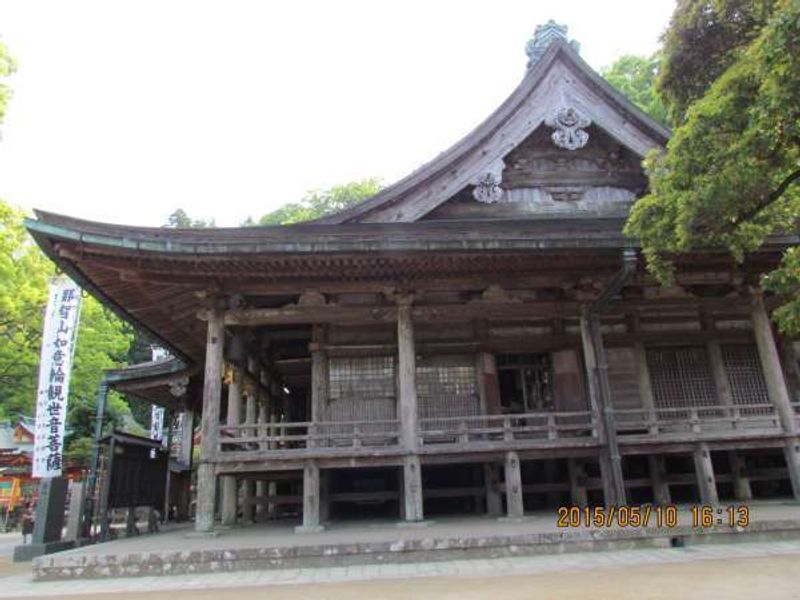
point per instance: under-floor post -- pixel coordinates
(249, 507)
(261, 491)
(491, 479)
(311, 522)
(791, 452)
(412, 489)
(704, 470)
(324, 497)
(741, 482)
(230, 490)
(272, 508)
(658, 476)
(514, 504)
(577, 482)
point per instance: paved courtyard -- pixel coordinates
(730, 571)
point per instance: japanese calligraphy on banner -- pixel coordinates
(157, 423)
(55, 365)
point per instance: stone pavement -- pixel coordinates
(731, 570)
(276, 546)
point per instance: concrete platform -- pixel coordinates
(276, 546)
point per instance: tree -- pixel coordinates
(731, 171)
(704, 38)
(24, 273)
(318, 203)
(636, 76)
(180, 220)
(7, 67)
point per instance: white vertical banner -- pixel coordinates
(55, 365)
(157, 423)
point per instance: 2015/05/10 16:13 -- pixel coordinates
(666, 516)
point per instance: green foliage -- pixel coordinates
(24, 274)
(635, 77)
(180, 220)
(704, 38)
(318, 203)
(7, 67)
(103, 340)
(731, 171)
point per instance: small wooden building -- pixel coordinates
(478, 337)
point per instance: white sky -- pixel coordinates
(125, 110)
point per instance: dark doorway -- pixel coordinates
(526, 382)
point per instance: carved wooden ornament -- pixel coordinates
(568, 123)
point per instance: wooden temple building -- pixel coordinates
(479, 337)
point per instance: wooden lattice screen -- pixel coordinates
(746, 378)
(447, 388)
(681, 377)
(361, 388)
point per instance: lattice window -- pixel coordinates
(681, 377)
(361, 388)
(743, 367)
(447, 391)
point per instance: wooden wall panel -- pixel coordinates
(623, 378)
(569, 391)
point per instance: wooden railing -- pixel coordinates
(482, 432)
(529, 427)
(699, 421)
(305, 435)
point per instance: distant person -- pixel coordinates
(28, 519)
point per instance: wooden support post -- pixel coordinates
(741, 482)
(776, 388)
(230, 491)
(311, 522)
(577, 482)
(324, 497)
(658, 476)
(251, 409)
(491, 480)
(319, 373)
(704, 469)
(600, 397)
(406, 375)
(412, 489)
(791, 453)
(771, 365)
(212, 389)
(514, 504)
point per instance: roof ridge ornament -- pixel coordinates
(543, 36)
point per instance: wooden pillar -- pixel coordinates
(212, 389)
(412, 489)
(319, 373)
(741, 483)
(230, 490)
(704, 469)
(251, 408)
(311, 522)
(514, 504)
(771, 365)
(261, 486)
(406, 375)
(491, 479)
(658, 477)
(577, 482)
(776, 388)
(600, 398)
